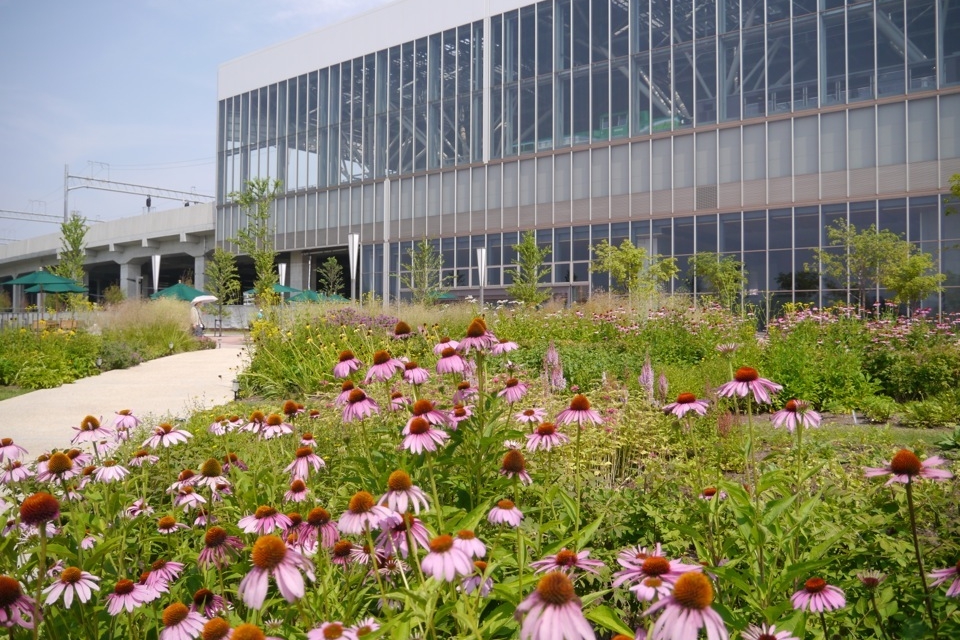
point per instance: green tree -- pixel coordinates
(423, 273)
(73, 249)
(330, 277)
(723, 275)
(636, 273)
(528, 270)
(256, 238)
(914, 277)
(954, 196)
(222, 279)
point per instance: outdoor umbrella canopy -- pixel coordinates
(306, 296)
(277, 288)
(57, 287)
(203, 298)
(42, 279)
(179, 291)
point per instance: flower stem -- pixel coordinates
(823, 623)
(520, 549)
(755, 489)
(436, 496)
(578, 480)
(916, 548)
(41, 573)
(876, 610)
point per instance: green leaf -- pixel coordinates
(608, 619)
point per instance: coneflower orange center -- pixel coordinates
(512, 382)
(710, 492)
(477, 328)
(59, 463)
(297, 486)
(142, 453)
(215, 629)
(381, 357)
(264, 511)
(480, 566)
(89, 469)
(318, 516)
(333, 630)
(247, 631)
(421, 407)
(9, 591)
(466, 534)
(506, 505)
(73, 454)
(158, 564)
(652, 582)
(38, 508)
(304, 452)
(295, 518)
(396, 395)
(447, 352)
(342, 548)
(686, 398)
(346, 355)
(257, 416)
(185, 475)
(410, 366)
(620, 636)
(401, 328)
(361, 502)
(463, 386)
(419, 426)
(202, 597)
(656, 566)
(441, 544)
(399, 480)
(905, 463)
(513, 462)
(211, 468)
(693, 590)
(268, 552)
(746, 374)
(71, 575)
(123, 587)
(167, 522)
(357, 395)
(546, 429)
(566, 558)
(215, 537)
(815, 585)
(459, 411)
(346, 386)
(274, 420)
(555, 588)
(290, 407)
(89, 423)
(580, 403)
(6, 442)
(175, 614)
(791, 405)
(166, 427)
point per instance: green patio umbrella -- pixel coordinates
(277, 288)
(306, 296)
(334, 298)
(65, 287)
(179, 291)
(41, 279)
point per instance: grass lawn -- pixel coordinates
(10, 392)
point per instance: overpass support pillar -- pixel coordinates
(299, 278)
(200, 272)
(131, 279)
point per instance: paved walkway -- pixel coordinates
(170, 387)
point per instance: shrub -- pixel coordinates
(878, 409)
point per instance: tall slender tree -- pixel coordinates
(256, 237)
(528, 270)
(73, 249)
(222, 279)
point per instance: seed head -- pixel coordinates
(268, 552)
(555, 588)
(39, 508)
(693, 590)
(175, 614)
(399, 480)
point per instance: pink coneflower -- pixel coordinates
(464, 392)
(331, 631)
(127, 595)
(579, 412)
(307, 440)
(505, 513)
(727, 349)
(420, 436)
(72, 582)
(365, 627)
(871, 579)
(304, 460)
(232, 460)
(38, 509)
(10, 451)
(181, 623)
(297, 492)
(235, 421)
(476, 580)
(747, 381)
(359, 406)
(142, 457)
(211, 474)
(450, 362)
(687, 610)
(188, 498)
(256, 422)
(342, 553)
(208, 602)
(111, 472)
(709, 493)
(503, 346)
(402, 494)
(398, 401)
(765, 632)
(939, 576)
(905, 466)
(362, 514)
(401, 330)
(347, 363)
(219, 426)
(478, 337)
(445, 343)
(292, 409)
(125, 420)
(639, 563)
(345, 388)
(138, 508)
(796, 413)
(817, 596)
(650, 589)
(320, 528)
(168, 524)
(458, 414)
(383, 367)
(91, 430)
(162, 573)
(552, 611)
(531, 416)
(14, 471)
(219, 629)
(16, 609)
(186, 478)
(514, 466)
(428, 411)
(272, 557)
(275, 427)
(167, 436)
(103, 448)
(687, 402)
(218, 548)
(445, 561)
(468, 542)
(414, 373)
(393, 537)
(264, 521)
(513, 391)
(567, 561)
(57, 468)
(88, 542)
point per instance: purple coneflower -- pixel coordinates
(552, 611)
(188, 498)
(514, 466)
(939, 576)
(180, 623)
(91, 430)
(264, 521)
(476, 580)
(445, 561)
(401, 330)
(567, 561)
(402, 493)
(478, 337)
(167, 435)
(420, 436)
(362, 514)
(303, 461)
(445, 343)
(208, 602)
(218, 548)
(359, 406)
(297, 492)
(796, 413)
(217, 629)
(232, 460)
(258, 419)
(38, 509)
(10, 451)
(398, 401)
(687, 610)
(186, 478)
(275, 426)
(211, 474)
(709, 493)
(727, 349)
(292, 409)
(531, 416)
(428, 411)
(331, 631)
(394, 530)
(513, 391)
(127, 595)
(817, 596)
(307, 440)
(871, 579)
(365, 627)
(342, 553)
(383, 367)
(450, 362)
(747, 381)
(111, 472)
(320, 528)
(579, 412)
(272, 557)
(142, 457)
(414, 373)
(138, 508)
(347, 363)
(505, 513)
(905, 465)
(126, 420)
(687, 402)
(219, 426)
(463, 393)
(468, 542)
(458, 414)
(72, 582)
(765, 632)
(57, 468)
(650, 589)
(345, 388)
(639, 563)
(503, 346)
(168, 524)
(162, 573)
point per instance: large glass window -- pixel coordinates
(891, 40)
(705, 74)
(834, 58)
(805, 89)
(600, 125)
(600, 19)
(778, 67)
(860, 55)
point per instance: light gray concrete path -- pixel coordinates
(170, 387)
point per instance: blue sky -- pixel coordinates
(127, 84)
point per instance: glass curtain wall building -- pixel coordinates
(743, 127)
